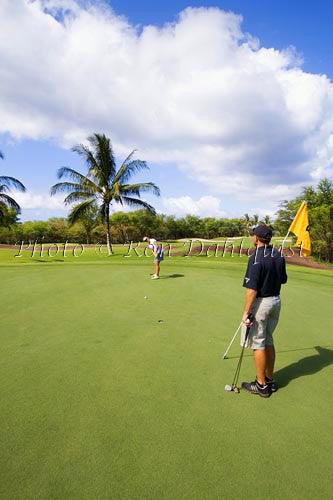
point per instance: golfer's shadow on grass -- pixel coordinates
(173, 276)
(305, 366)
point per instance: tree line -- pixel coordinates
(124, 227)
(90, 219)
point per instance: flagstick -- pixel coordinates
(284, 241)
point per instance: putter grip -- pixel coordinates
(250, 317)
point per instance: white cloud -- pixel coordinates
(262, 212)
(30, 200)
(206, 206)
(43, 203)
(239, 118)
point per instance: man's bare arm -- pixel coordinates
(250, 296)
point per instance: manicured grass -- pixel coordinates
(105, 394)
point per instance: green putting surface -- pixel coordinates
(106, 394)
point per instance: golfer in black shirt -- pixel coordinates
(266, 271)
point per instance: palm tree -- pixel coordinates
(103, 183)
(6, 201)
(247, 221)
(255, 219)
(267, 220)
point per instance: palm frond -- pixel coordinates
(81, 150)
(10, 202)
(12, 182)
(123, 167)
(79, 211)
(104, 169)
(63, 187)
(137, 189)
(134, 202)
(78, 196)
(127, 170)
(87, 155)
(78, 177)
(72, 174)
(2, 209)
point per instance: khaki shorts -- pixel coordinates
(266, 311)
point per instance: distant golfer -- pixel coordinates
(266, 271)
(158, 255)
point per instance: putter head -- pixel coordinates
(225, 357)
(235, 389)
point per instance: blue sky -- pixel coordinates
(233, 114)
(305, 24)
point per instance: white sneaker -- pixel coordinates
(155, 277)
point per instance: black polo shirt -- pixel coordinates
(266, 271)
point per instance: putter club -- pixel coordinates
(234, 387)
(225, 355)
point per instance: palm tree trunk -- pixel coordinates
(86, 228)
(108, 238)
